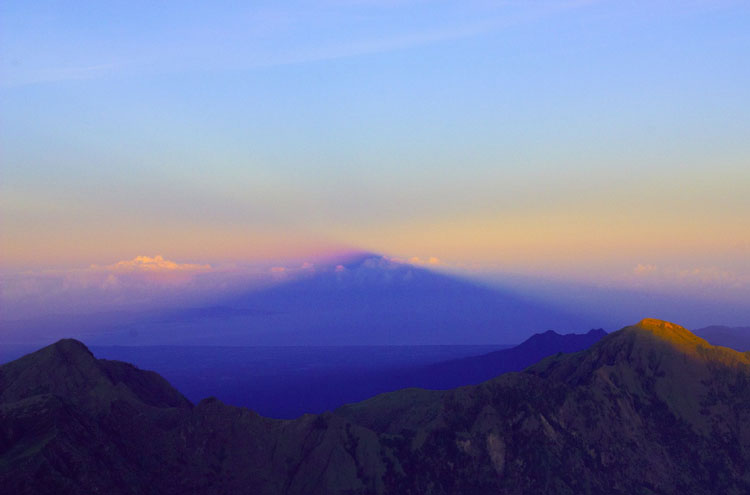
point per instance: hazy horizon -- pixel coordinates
(147, 284)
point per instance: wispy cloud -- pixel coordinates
(706, 277)
(267, 36)
(151, 264)
(140, 282)
(432, 261)
(12, 78)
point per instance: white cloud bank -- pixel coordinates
(140, 282)
(149, 264)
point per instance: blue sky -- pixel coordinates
(584, 139)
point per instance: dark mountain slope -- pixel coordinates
(69, 369)
(70, 423)
(77, 423)
(648, 409)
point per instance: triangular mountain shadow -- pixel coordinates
(364, 300)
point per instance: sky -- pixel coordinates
(603, 142)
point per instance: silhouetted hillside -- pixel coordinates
(648, 409)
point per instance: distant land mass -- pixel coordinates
(364, 300)
(286, 382)
(476, 369)
(738, 338)
(650, 409)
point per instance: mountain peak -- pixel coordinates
(599, 332)
(652, 337)
(669, 331)
(357, 259)
(71, 346)
(656, 324)
(64, 354)
(69, 370)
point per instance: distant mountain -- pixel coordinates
(476, 369)
(363, 300)
(648, 409)
(737, 338)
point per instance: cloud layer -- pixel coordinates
(149, 264)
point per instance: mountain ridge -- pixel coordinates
(473, 370)
(635, 413)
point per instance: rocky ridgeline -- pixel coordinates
(648, 409)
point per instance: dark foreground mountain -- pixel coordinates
(648, 409)
(737, 338)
